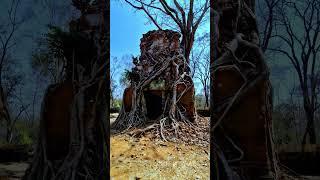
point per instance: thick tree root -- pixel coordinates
(174, 116)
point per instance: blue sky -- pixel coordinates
(126, 29)
(128, 26)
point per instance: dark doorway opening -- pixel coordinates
(153, 103)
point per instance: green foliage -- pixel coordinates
(55, 41)
(125, 77)
(41, 62)
(157, 85)
(63, 49)
(115, 105)
(25, 134)
(200, 101)
(2, 141)
(284, 117)
(49, 52)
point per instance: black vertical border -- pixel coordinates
(214, 171)
(107, 43)
(211, 89)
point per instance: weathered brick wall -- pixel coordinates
(163, 44)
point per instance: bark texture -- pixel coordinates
(161, 89)
(73, 127)
(242, 95)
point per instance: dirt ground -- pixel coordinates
(143, 158)
(12, 170)
(113, 117)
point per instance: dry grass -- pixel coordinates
(143, 158)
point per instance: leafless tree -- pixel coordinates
(113, 84)
(267, 15)
(118, 81)
(201, 46)
(57, 12)
(184, 17)
(200, 64)
(203, 74)
(300, 27)
(8, 80)
(114, 71)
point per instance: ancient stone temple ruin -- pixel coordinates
(242, 97)
(160, 86)
(72, 132)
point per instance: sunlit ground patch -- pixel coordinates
(143, 158)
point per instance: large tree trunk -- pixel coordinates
(310, 129)
(5, 114)
(309, 109)
(161, 89)
(206, 95)
(241, 95)
(70, 148)
(186, 44)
